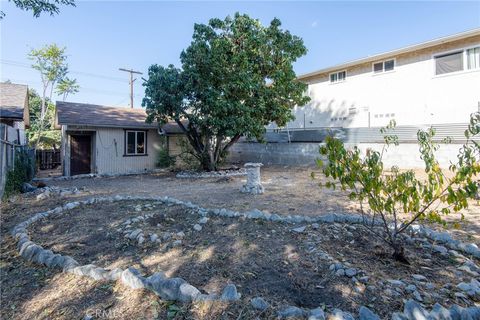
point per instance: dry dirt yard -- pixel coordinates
(262, 258)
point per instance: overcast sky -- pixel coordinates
(102, 36)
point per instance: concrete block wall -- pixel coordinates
(405, 156)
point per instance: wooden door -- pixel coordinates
(80, 154)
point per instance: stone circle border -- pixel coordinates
(177, 289)
(210, 174)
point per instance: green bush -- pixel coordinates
(164, 159)
(399, 198)
(23, 171)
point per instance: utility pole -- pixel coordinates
(131, 71)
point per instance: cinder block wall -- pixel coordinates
(405, 156)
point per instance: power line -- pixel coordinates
(106, 92)
(88, 74)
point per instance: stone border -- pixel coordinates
(178, 289)
(98, 175)
(211, 174)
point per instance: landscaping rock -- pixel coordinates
(419, 277)
(197, 227)
(132, 278)
(367, 314)
(291, 312)
(27, 187)
(440, 249)
(350, 272)
(230, 293)
(338, 314)
(414, 311)
(259, 303)
(299, 229)
(203, 220)
(316, 314)
(340, 272)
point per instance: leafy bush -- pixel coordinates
(396, 198)
(164, 159)
(23, 171)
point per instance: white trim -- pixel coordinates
(337, 72)
(383, 66)
(135, 145)
(464, 62)
(397, 52)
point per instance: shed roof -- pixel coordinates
(83, 114)
(14, 101)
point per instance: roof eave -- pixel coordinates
(415, 47)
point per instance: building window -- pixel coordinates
(135, 143)
(460, 60)
(473, 58)
(450, 62)
(338, 76)
(384, 66)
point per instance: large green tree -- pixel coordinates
(236, 77)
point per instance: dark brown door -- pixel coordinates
(80, 154)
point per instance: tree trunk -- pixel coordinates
(399, 253)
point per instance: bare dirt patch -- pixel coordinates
(262, 258)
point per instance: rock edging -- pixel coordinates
(180, 290)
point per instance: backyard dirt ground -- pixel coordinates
(264, 259)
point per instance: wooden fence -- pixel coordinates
(48, 159)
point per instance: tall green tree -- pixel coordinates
(236, 77)
(51, 62)
(39, 6)
(67, 86)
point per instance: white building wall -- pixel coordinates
(411, 92)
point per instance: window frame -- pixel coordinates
(464, 62)
(125, 143)
(383, 66)
(337, 72)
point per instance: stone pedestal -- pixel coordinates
(254, 184)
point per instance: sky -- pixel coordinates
(102, 36)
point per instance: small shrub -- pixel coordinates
(164, 159)
(189, 158)
(398, 199)
(23, 171)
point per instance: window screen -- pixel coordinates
(140, 142)
(341, 76)
(473, 58)
(333, 77)
(449, 63)
(131, 142)
(389, 65)
(378, 67)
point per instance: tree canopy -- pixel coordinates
(39, 6)
(236, 77)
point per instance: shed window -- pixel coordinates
(135, 143)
